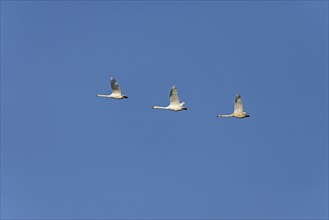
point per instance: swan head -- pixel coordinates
(246, 114)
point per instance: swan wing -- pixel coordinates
(238, 107)
(174, 100)
(115, 86)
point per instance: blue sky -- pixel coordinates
(67, 154)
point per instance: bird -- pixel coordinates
(116, 92)
(238, 109)
(174, 105)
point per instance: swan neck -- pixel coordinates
(224, 116)
(100, 95)
(160, 107)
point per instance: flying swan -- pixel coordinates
(174, 105)
(116, 92)
(238, 109)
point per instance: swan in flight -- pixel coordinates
(174, 105)
(116, 92)
(238, 109)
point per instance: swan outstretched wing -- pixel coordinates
(115, 86)
(174, 100)
(238, 107)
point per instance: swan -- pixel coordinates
(116, 92)
(238, 109)
(174, 105)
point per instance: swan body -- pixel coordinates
(238, 109)
(116, 92)
(174, 105)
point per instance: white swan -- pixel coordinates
(174, 105)
(238, 109)
(116, 92)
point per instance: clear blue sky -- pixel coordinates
(67, 154)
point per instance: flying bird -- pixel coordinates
(238, 109)
(174, 105)
(116, 92)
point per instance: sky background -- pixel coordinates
(67, 154)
